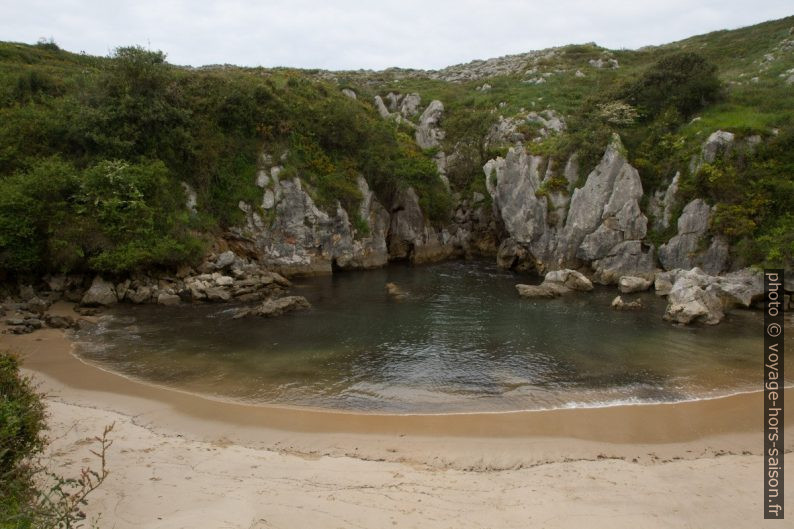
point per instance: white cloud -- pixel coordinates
(351, 34)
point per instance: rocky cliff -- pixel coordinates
(550, 224)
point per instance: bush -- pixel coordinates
(684, 81)
(30, 495)
(112, 217)
(22, 422)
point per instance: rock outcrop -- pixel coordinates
(631, 284)
(411, 237)
(429, 133)
(275, 307)
(101, 292)
(302, 239)
(690, 247)
(601, 224)
(619, 304)
(697, 297)
(556, 283)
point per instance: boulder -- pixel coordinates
(275, 307)
(396, 292)
(619, 304)
(100, 292)
(217, 294)
(630, 284)
(165, 298)
(140, 294)
(37, 305)
(570, 279)
(225, 260)
(699, 297)
(60, 322)
(544, 290)
(718, 144)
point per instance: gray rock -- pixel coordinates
(101, 292)
(276, 307)
(699, 297)
(56, 283)
(685, 249)
(718, 144)
(409, 236)
(349, 93)
(225, 260)
(60, 322)
(26, 292)
(619, 304)
(429, 133)
(381, 107)
(168, 299)
(631, 284)
(542, 291)
(37, 305)
(217, 294)
(627, 258)
(191, 198)
(140, 294)
(409, 106)
(570, 279)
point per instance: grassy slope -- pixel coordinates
(757, 100)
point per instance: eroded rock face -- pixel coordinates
(411, 238)
(429, 133)
(302, 239)
(601, 224)
(697, 297)
(686, 249)
(718, 144)
(100, 292)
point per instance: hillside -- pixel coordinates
(96, 153)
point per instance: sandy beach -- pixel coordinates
(181, 460)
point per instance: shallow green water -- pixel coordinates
(462, 340)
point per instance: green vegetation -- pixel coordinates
(93, 152)
(30, 495)
(69, 123)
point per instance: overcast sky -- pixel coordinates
(352, 34)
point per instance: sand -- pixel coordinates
(181, 460)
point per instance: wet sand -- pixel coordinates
(182, 460)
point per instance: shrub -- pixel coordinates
(684, 81)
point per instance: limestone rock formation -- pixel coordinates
(556, 283)
(302, 239)
(686, 249)
(101, 292)
(699, 297)
(409, 235)
(275, 307)
(631, 284)
(619, 304)
(429, 133)
(601, 223)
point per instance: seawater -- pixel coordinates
(461, 340)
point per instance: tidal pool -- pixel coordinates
(462, 340)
